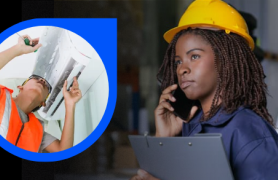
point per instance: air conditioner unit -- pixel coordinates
(62, 56)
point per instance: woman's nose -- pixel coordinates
(183, 68)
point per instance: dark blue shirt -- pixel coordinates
(251, 143)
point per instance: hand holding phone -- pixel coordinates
(182, 106)
(166, 120)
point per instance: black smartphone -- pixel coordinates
(182, 105)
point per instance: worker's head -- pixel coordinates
(36, 88)
(221, 66)
(212, 14)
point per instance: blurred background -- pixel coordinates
(141, 48)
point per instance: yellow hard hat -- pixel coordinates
(212, 14)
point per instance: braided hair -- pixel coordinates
(240, 75)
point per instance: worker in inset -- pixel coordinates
(18, 124)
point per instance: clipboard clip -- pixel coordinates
(146, 137)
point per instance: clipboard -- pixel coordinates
(199, 157)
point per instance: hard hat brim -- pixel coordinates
(169, 35)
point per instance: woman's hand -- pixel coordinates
(166, 123)
(22, 48)
(143, 175)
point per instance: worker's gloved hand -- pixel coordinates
(73, 95)
(143, 175)
(27, 46)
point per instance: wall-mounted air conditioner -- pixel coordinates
(62, 56)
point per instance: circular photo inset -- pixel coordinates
(53, 92)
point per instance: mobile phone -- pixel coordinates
(182, 106)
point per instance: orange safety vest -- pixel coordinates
(27, 135)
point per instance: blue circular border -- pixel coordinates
(101, 33)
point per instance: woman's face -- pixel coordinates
(196, 72)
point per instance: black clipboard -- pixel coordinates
(199, 157)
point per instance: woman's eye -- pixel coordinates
(177, 62)
(195, 57)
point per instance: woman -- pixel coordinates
(211, 60)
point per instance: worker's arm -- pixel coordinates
(17, 50)
(71, 98)
(67, 133)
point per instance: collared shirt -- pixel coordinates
(251, 143)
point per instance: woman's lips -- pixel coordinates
(185, 84)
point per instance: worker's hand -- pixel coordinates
(166, 122)
(23, 48)
(73, 95)
(143, 175)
